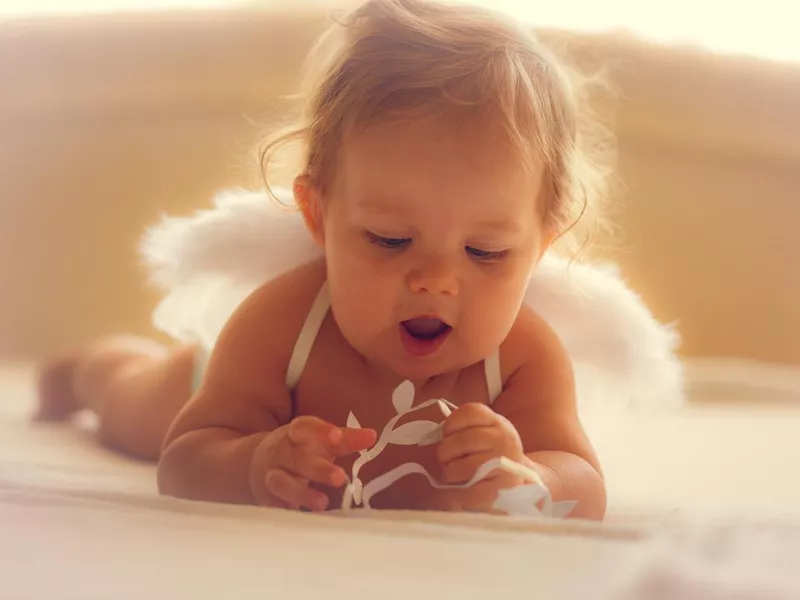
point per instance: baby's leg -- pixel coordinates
(135, 386)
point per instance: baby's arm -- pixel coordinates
(534, 422)
(539, 400)
(243, 397)
(233, 442)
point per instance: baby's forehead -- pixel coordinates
(470, 134)
(439, 154)
(434, 176)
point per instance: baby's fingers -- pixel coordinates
(315, 434)
(293, 492)
(314, 468)
(466, 442)
(461, 470)
(354, 440)
(312, 432)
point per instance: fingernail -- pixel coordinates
(320, 503)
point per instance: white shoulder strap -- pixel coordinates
(308, 333)
(494, 380)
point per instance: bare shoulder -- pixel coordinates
(260, 335)
(244, 386)
(539, 389)
(532, 348)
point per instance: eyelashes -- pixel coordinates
(486, 255)
(392, 243)
(387, 242)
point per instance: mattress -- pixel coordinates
(702, 504)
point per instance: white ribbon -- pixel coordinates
(521, 500)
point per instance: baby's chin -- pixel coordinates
(445, 360)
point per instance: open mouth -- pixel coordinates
(423, 336)
(426, 329)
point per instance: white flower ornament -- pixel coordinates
(523, 500)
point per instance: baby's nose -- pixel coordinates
(434, 277)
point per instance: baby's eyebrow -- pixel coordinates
(500, 225)
(393, 206)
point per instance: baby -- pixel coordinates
(441, 157)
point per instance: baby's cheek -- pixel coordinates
(364, 285)
(490, 321)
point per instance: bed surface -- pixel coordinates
(79, 521)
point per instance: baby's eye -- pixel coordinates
(486, 255)
(387, 242)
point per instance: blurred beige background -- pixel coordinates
(107, 122)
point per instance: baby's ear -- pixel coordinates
(309, 200)
(549, 236)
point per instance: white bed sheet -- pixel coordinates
(77, 521)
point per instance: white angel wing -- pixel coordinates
(621, 355)
(208, 263)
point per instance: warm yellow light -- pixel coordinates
(765, 28)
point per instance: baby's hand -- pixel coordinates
(471, 436)
(298, 454)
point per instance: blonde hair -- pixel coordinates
(402, 58)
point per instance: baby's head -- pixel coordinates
(441, 157)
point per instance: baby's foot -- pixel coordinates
(56, 396)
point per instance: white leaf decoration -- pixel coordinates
(432, 437)
(562, 509)
(381, 482)
(403, 397)
(411, 433)
(446, 407)
(347, 497)
(521, 500)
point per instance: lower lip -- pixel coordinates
(419, 348)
